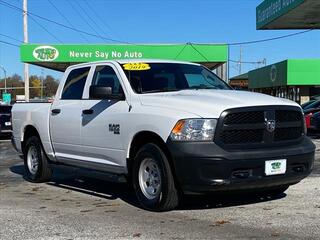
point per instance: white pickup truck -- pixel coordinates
(168, 127)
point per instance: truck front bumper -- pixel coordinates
(205, 167)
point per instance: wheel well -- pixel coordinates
(143, 138)
(29, 131)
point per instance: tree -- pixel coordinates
(35, 91)
(14, 81)
(50, 86)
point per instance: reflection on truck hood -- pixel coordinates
(210, 103)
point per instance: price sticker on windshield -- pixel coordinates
(136, 66)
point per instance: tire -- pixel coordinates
(35, 161)
(162, 195)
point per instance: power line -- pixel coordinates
(103, 21)
(191, 44)
(92, 19)
(180, 51)
(40, 25)
(4, 3)
(12, 38)
(8, 43)
(269, 39)
(246, 62)
(83, 17)
(65, 18)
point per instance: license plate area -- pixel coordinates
(7, 123)
(275, 167)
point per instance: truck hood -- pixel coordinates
(208, 103)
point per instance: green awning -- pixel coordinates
(288, 14)
(244, 76)
(60, 56)
(292, 72)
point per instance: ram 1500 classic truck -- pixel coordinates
(169, 127)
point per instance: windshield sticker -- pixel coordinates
(136, 66)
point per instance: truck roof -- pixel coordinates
(123, 61)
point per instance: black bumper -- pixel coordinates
(206, 167)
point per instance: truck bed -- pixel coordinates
(32, 114)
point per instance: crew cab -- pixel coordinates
(168, 128)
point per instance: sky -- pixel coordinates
(150, 21)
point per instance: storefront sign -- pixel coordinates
(45, 53)
(34, 53)
(6, 98)
(270, 10)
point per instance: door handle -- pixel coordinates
(87, 111)
(56, 111)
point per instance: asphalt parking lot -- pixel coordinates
(74, 205)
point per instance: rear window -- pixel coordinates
(75, 82)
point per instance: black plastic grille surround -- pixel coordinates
(247, 127)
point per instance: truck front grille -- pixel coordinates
(259, 126)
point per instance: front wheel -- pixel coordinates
(153, 179)
(35, 161)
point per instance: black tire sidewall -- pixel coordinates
(154, 152)
(34, 141)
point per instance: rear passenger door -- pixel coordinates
(101, 127)
(65, 116)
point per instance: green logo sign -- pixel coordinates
(6, 97)
(276, 165)
(269, 10)
(45, 53)
(273, 73)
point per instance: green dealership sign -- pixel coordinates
(6, 98)
(34, 53)
(291, 72)
(270, 10)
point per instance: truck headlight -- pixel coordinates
(194, 130)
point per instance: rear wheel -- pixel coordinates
(35, 161)
(153, 179)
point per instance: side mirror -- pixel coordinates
(101, 92)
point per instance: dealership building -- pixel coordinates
(295, 79)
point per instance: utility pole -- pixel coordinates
(25, 40)
(41, 83)
(240, 60)
(5, 78)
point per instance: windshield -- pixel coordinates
(165, 77)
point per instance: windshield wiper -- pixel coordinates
(201, 87)
(162, 90)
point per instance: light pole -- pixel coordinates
(25, 40)
(5, 78)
